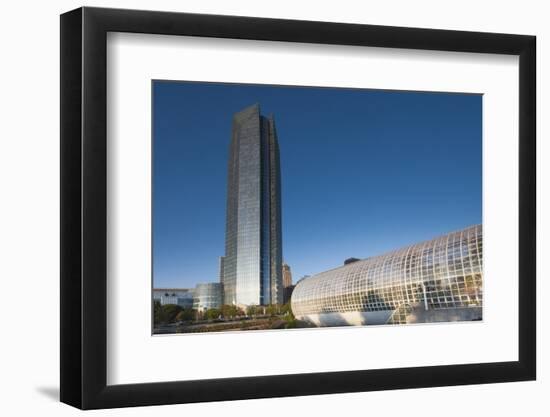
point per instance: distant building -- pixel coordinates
(252, 265)
(351, 260)
(208, 295)
(287, 293)
(287, 276)
(182, 297)
(301, 279)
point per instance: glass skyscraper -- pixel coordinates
(251, 270)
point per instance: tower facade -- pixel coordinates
(252, 265)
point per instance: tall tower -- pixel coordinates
(287, 276)
(252, 265)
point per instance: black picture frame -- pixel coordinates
(84, 207)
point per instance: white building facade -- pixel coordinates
(182, 297)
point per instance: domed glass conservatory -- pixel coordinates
(439, 280)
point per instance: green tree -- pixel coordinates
(272, 310)
(186, 314)
(291, 322)
(227, 311)
(286, 310)
(167, 313)
(157, 313)
(213, 313)
(253, 310)
(231, 311)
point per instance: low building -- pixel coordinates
(182, 297)
(440, 280)
(207, 296)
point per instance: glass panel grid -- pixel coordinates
(445, 272)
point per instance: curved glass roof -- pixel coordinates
(444, 272)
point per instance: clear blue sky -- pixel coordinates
(363, 172)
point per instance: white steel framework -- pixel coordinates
(443, 273)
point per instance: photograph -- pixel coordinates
(263, 205)
(303, 207)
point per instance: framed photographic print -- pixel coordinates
(257, 207)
